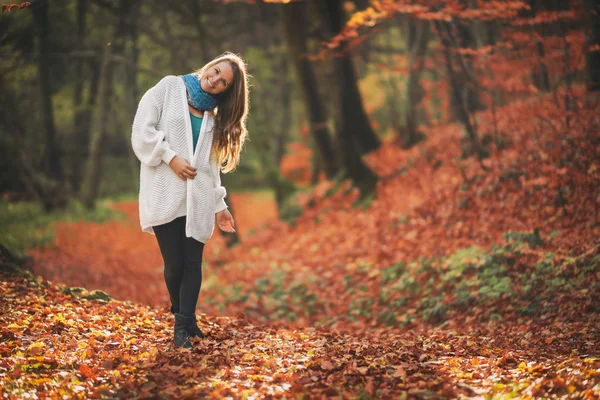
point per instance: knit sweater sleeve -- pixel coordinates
(219, 191)
(149, 144)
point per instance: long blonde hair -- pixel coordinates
(229, 132)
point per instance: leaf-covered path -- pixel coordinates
(58, 345)
(457, 280)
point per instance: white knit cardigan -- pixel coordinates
(161, 130)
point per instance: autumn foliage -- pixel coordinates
(59, 345)
(9, 7)
(504, 259)
(460, 276)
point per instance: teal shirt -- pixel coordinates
(196, 125)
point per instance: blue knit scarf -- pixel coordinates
(198, 97)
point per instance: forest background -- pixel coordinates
(417, 204)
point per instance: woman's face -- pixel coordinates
(217, 78)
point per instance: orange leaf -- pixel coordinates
(85, 371)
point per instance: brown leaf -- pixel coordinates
(327, 365)
(35, 349)
(108, 363)
(399, 372)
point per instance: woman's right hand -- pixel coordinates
(182, 168)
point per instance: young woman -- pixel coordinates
(187, 129)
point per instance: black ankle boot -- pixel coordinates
(181, 335)
(194, 330)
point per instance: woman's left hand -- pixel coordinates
(225, 221)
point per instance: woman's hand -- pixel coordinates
(182, 168)
(225, 221)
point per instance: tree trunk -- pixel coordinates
(541, 79)
(593, 57)
(202, 36)
(354, 134)
(464, 37)
(82, 112)
(414, 92)
(393, 97)
(458, 100)
(51, 154)
(295, 22)
(285, 95)
(23, 172)
(364, 49)
(275, 148)
(176, 60)
(94, 166)
(364, 179)
(316, 169)
(133, 96)
(352, 111)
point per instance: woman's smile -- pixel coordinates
(217, 78)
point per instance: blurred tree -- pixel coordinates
(80, 112)
(353, 113)
(462, 35)
(48, 183)
(193, 12)
(51, 154)
(353, 130)
(93, 171)
(540, 74)
(392, 81)
(491, 52)
(275, 126)
(123, 13)
(592, 10)
(417, 35)
(131, 80)
(14, 177)
(456, 79)
(124, 68)
(295, 23)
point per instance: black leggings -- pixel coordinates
(183, 265)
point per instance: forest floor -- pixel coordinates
(458, 279)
